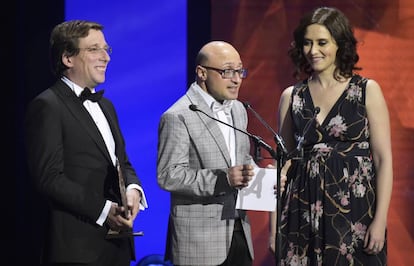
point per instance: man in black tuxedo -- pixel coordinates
(76, 152)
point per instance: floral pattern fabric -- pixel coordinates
(330, 195)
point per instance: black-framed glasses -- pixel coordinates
(229, 73)
(97, 50)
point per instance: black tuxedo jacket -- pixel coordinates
(72, 168)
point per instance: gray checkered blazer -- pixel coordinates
(192, 165)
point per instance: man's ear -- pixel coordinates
(201, 73)
(67, 60)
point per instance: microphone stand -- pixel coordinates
(280, 157)
(280, 161)
(257, 140)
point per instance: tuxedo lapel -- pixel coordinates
(112, 124)
(75, 106)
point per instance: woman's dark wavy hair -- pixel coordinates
(64, 40)
(342, 32)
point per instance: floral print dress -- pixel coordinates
(330, 196)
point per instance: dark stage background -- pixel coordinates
(154, 48)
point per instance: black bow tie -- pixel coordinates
(88, 95)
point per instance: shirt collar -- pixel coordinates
(208, 98)
(74, 87)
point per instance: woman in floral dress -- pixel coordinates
(335, 205)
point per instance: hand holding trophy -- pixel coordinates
(120, 219)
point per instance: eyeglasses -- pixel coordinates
(97, 50)
(229, 73)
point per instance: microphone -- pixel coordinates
(258, 140)
(279, 141)
(301, 139)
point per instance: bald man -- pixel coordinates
(203, 163)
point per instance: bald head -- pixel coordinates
(217, 52)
